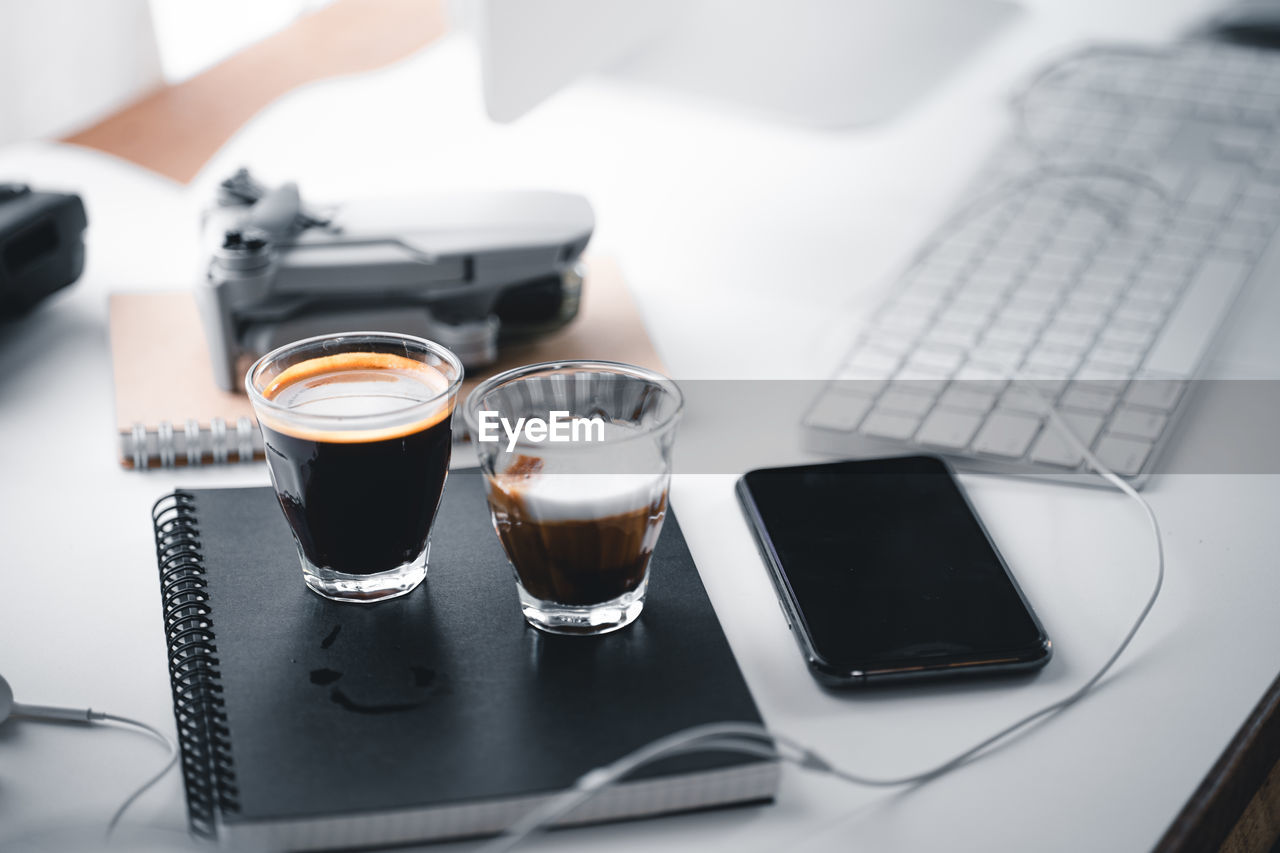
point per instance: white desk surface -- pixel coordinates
(740, 239)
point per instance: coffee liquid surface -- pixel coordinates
(577, 539)
(360, 500)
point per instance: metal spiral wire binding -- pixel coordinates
(198, 707)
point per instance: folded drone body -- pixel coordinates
(472, 271)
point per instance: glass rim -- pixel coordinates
(332, 421)
(470, 407)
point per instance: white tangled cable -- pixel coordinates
(146, 728)
(756, 740)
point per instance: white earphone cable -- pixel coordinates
(98, 716)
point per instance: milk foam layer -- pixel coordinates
(584, 481)
(584, 497)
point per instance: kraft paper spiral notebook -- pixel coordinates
(305, 723)
(169, 411)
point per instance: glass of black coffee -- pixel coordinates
(358, 433)
(577, 463)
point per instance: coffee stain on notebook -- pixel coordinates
(424, 682)
(332, 636)
(324, 676)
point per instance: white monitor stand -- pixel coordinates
(820, 63)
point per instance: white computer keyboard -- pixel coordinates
(1095, 258)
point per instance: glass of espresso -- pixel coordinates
(358, 433)
(577, 461)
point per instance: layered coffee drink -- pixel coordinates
(577, 481)
(577, 539)
(358, 446)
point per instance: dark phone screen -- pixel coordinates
(888, 566)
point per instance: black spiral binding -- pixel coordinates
(207, 769)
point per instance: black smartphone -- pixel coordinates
(885, 573)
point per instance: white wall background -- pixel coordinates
(65, 64)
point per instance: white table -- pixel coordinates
(740, 240)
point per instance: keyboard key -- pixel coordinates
(920, 380)
(905, 401)
(1172, 175)
(1139, 314)
(1120, 335)
(1214, 188)
(1159, 394)
(838, 411)
(1026, 313)
(997, 356)
(1169, 266)
(987, 285)
(1068, 336)
(859, 382)
(1025, 397)
(1137, 423)
(1013, 333)
(1086, 397)
(1097, 299)
(1125, 456)
(953, 334)
(1239, 143)
(1183, 249)
(1083, 316)
(1049, 381)
(980, 377)
(1244, 241)
(1124, 358)
(1107, 274)
(1054, 449)
(1104, 375)
(948, 428)
(1161, 292)
(1007, 434)
(1049, 357)
(1137, 303)
(945, 360)
(967, 399)
(931, 278)
(968, 313)
(1047, 286)
(1264, 207)
(894, 425)
(1062, 265)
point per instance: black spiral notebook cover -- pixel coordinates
(307, 724)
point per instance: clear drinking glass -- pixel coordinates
(358, 433)
(577, 461)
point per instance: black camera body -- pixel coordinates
(41, 245)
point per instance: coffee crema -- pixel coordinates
(358, 499)
(576, 539)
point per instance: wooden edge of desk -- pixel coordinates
(1236, 808)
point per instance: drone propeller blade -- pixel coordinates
(278, 210)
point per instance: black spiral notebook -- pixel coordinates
(308, 724)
